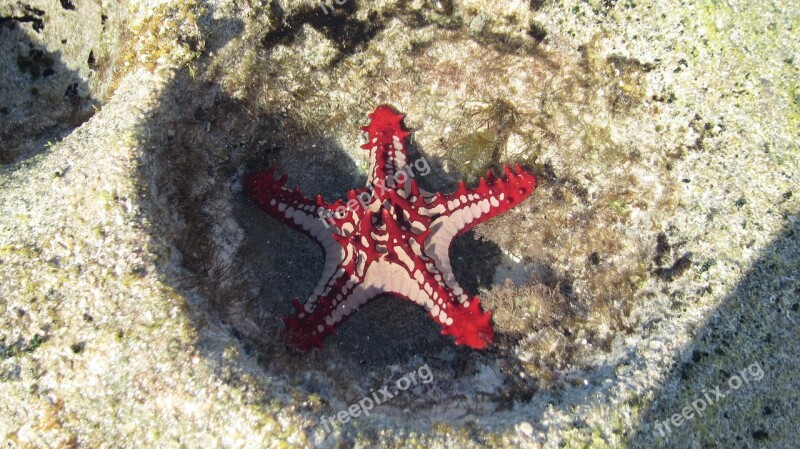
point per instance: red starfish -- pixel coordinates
(389, 238)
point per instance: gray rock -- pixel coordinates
(142, 292)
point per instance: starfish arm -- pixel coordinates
(314, 320)
(307, 215)
(464, 209)
(410, 274)
(467, 208)
(343, 289)
(387, 148)
(462, 319)
(471, 326)
(314, 217)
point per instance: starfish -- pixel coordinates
(389, 238)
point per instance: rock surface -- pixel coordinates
(142, 292)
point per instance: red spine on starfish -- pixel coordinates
(390, 238)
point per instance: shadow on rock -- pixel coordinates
(43, 97)
(755, 329)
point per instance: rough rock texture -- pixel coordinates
(142, 292)
(56, 60)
